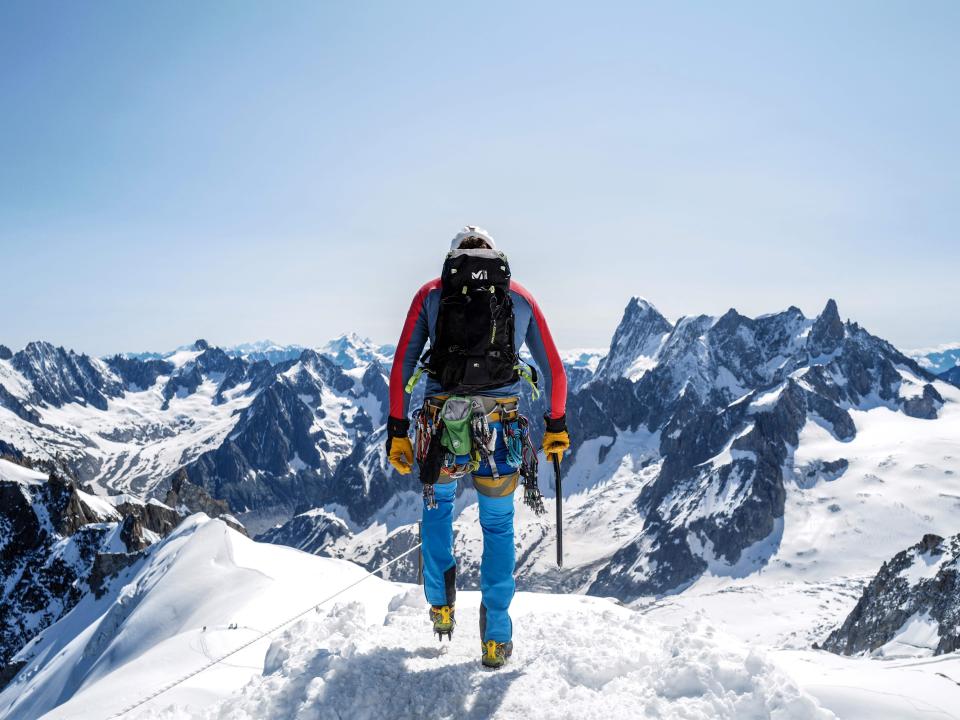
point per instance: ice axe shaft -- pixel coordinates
(556, 470)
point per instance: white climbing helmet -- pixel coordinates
(472, 231)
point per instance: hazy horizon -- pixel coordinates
(243, 171)
(231, 344)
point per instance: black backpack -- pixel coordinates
(473, 349)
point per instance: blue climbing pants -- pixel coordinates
(497, 585)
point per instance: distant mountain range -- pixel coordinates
(792, 448)
(938, 360)
(690, 439)
(348, 350)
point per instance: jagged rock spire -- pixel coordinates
(827, 331)
(638, 334)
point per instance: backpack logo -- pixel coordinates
(478, 275)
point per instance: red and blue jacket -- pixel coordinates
(530, 328)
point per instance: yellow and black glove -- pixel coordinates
(399, 448)
(555, 440)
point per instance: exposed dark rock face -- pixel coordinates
(397, 543)
(729, 397)
(638, 334)
(252, 469)
(12, 403)
(926, 406)
(108, 565)
(285, 450)
(951, 376)
(39, 576)
(827, 332)
(139, 374)
(311, 532)
(920, 584)
(186, 499)
(5, 353)
(62, 376)
(56, 544)
(152, 515)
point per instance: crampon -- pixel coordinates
(495, 655)
(443, 620)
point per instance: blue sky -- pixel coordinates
(295, 170)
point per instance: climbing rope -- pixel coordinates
(261, 636)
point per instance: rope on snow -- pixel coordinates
(261, 636)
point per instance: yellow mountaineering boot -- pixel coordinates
(443, 620)
(495, 654)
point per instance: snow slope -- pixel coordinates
(19, 474)
(369, 654)
(137, 441)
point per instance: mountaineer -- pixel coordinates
(476, 319)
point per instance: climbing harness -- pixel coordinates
(465, 424)
(261, 636)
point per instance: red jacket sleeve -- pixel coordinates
(413, 337)
(545, 354)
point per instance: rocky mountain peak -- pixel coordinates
(62, 376)
(57, 543)
(639, 306)
(5, 353)
(200, 345)
(188, 498)
(350, 350)
(827, 332)
(310, 357)
(638, 336)
(917, 588)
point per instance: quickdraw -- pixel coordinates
(484, 438)
(532, 497)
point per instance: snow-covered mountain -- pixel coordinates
(635, 343)
(267, 438)
(754, 470)
(911, 608)
(59, 544)
(951, 376)
(694, 467)
(364, 651)
(581, 365)
(693, 427)
(206, 590)
(350, 351)
(273, 353)
(937, 359)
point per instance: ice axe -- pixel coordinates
(557, 485)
